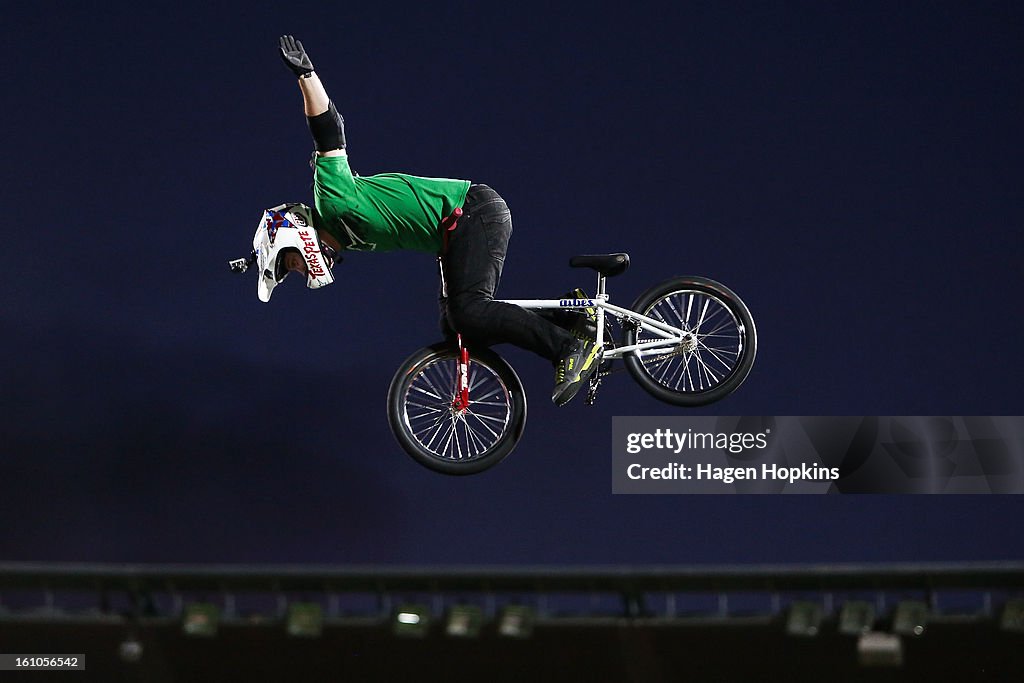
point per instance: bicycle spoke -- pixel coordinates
(699, 371)
(689, 377)
(482, 376)
(441, 431)
(477, 442)
(667, 370)
(459, 420)
(437, 385)
(679, 369)
(422, 424)
(711, 377)
(425, 392)
(428, 408)
(486, 426)
(480, 416)
(487, 403)
(450, 432)
(714, 332)
(717, 357)
(700, 320)
(717, 349)
(493, 392)
(678, 313)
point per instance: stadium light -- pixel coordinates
(411, 621)
(879, 649)
(305, 620)
(911, 618)
(516, 621)
(130, 649)
(464, 621)
(804, 619)
(1013, 616)
(856, 617)
(201, 620)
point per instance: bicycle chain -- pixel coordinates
(655, 359)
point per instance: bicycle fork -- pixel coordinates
(460, 402)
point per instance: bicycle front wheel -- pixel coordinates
(429, 423)
(718, 345)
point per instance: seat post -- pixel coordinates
(601, 296)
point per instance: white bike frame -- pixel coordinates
(669, 336)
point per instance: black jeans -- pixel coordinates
(472, 268)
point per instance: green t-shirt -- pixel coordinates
(382, 212)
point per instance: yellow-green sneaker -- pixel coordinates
(574, 369)
(586, 318)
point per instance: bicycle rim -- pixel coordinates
(445, 432)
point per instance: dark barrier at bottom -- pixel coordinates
(610, 652)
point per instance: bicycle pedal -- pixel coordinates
(595, 383)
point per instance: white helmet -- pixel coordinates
(289, 226)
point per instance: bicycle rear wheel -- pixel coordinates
(720, 342)
(430, 427)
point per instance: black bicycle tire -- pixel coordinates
(407, 372)
(743, 365)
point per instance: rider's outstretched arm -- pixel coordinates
(325, 123)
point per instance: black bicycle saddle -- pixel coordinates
(608, 265)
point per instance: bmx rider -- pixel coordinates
(467, 224)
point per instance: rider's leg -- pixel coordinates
(473, 263)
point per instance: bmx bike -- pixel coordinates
(688, 341)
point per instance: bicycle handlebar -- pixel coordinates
(240, 265)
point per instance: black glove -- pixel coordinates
(295, 57)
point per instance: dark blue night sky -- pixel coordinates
(853, 171)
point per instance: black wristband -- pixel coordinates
(328, 129)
